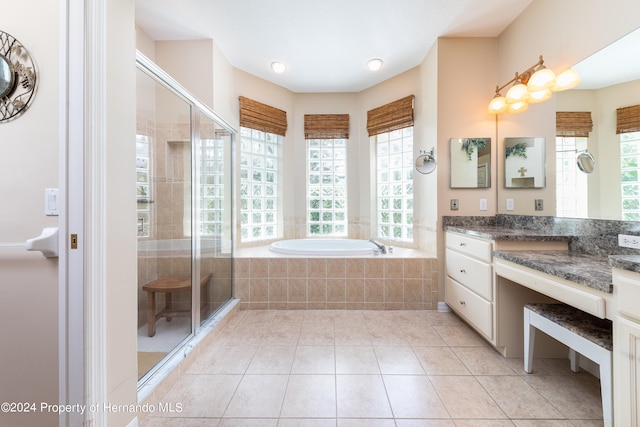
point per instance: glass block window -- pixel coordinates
(143, 190)
(394, 184)
(571, 183)
(212, 184)
(629, 171)
(259, 186)
(327, 187)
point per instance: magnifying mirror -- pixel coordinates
(586, 162)
(426, 162)
(6, 77)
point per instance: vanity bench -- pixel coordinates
(583, 333)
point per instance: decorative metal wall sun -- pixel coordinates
(17, 78)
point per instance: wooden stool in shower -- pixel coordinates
(168, 285)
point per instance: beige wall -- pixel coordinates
(29, 164)
(190, 62)
(464, 90)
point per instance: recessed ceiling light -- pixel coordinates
(278, 67)
(374, 64)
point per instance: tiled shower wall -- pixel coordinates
(375, 283)
(169, 182)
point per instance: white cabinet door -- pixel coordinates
(626, 366)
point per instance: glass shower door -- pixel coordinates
(215, 179)
(164, 218)
(185, 208)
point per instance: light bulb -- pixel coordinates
(278, 67)
(541, 79)
(374, 64)
(517, 107)
(517, 93)
(497, 105)
(567, 79)
(539, 96)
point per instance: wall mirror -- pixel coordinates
(17, 78)
(470, 162)
(610, 79)
(524, 162)
(6, 77)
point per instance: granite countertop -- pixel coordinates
(625, 262)
(589, 270)
(507, 233)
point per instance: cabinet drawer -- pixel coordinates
(627, 285)
(476, 248)
(470, 272)
(476, 310)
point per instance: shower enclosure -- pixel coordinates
(184, 215)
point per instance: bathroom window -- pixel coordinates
(143, 157)
(629, 175)
(259, 184)
(327, 187)
(213, 186)
(571, 184)
(394, 184)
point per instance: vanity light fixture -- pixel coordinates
(374, 64)
(532, 86)
(278, 67)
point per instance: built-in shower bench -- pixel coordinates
(168, 285)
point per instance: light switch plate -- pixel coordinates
(483, 204)
(454, 204)
(51, 201)
(510, 204)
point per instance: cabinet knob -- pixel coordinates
(463, 244)
(463, 303)
(463, 271)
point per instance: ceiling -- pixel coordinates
(325, 44)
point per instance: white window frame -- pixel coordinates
(260, 214)
(327, 195)
(630, 213)
(394, 167)
(571, 184)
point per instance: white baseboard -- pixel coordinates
(442, 306)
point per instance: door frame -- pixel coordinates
(82, 316)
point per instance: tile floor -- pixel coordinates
(373, 369)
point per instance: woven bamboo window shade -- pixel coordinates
(628, 119)
(262, 117)
(326, 126)
(573, 123)
(392, 116)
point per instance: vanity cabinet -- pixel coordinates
(469, 289)
(626, 348)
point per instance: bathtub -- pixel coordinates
(324, 247)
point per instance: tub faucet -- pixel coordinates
(383, 249)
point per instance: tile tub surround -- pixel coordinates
(403, 280)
